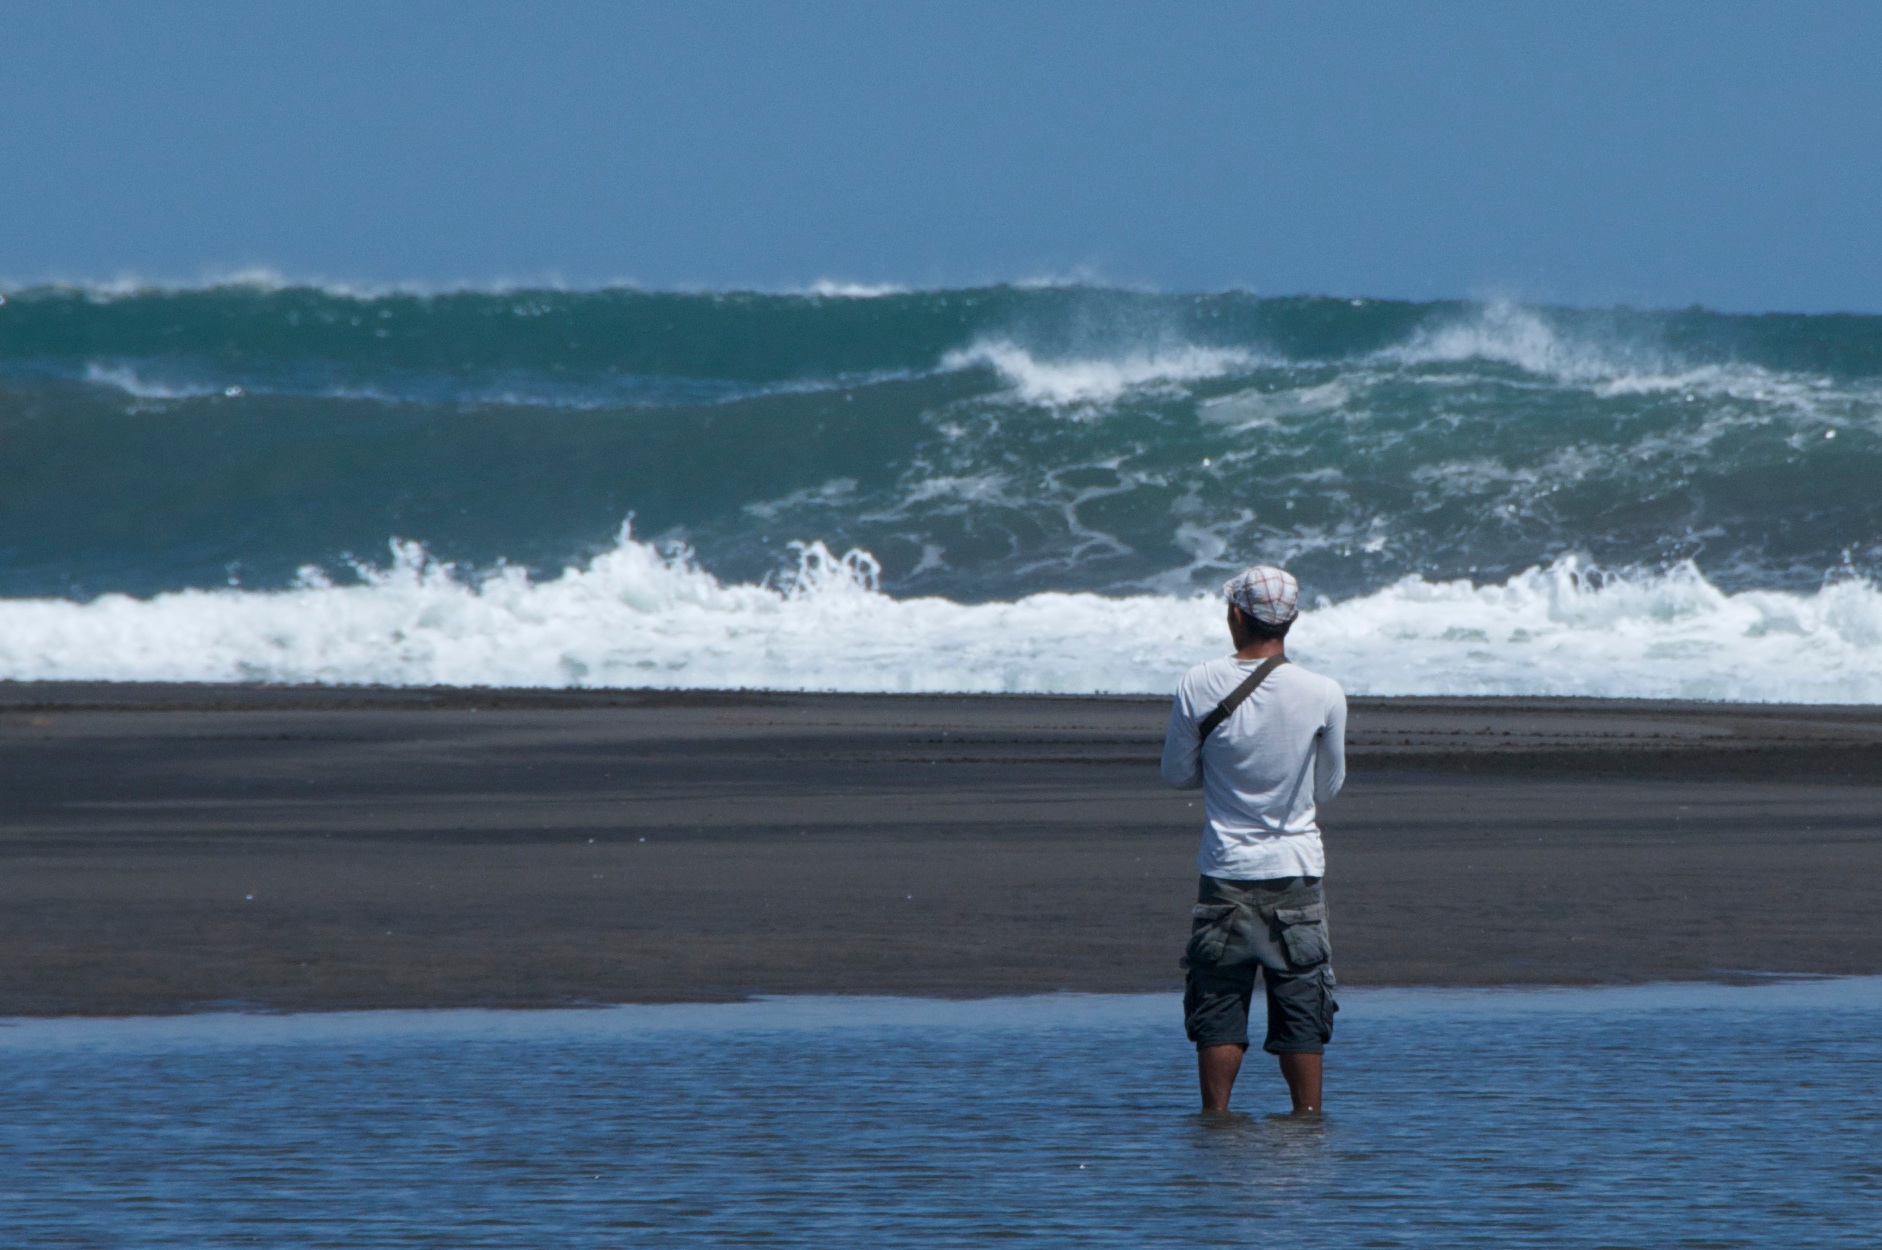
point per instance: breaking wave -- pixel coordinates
(638, 617)
(1097, 380)
(1048, 479)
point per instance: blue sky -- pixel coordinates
(1646, 153)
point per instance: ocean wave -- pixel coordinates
(1511, 334)
(130, 381)
(1569, 629)
(158, 381)
(268, 280)
(827, 288)
(262, 280)
(1067, 381)
(638, 617)
(986, 443)
(1606, 362)
(259, 313)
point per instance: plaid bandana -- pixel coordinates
(1268, 594)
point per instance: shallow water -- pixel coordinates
(1648, 1116)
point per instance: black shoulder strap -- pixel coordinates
(1226, 708)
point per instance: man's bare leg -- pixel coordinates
(1302, 1073)
(1217, 1066)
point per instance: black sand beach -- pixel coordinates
(167, 848)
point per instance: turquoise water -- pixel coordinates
(982, 444)
(1652, 1117)
(1027, 488)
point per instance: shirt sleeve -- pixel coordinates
(1182, 747)
(1329, 771)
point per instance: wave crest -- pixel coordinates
(1065, 382)
(1505, 333)
(1570, 629)
(637, 617)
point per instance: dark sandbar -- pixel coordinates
(433, 848)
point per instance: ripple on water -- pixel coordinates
(1643, 1116)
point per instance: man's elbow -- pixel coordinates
(1178, 779)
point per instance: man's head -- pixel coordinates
(1263, 603)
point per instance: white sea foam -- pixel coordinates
(133, 383)
(1063, 382)
(1505, 333)
(1566, 630)
(827, 288)
(636, 618)
(1258, 409)
(153, 381)
(259, 278)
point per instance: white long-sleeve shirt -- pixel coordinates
(1264, 770)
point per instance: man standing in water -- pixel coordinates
(1266, 742)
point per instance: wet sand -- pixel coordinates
(168, 848)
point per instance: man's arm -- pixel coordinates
(1182, 747)
(1329, 766)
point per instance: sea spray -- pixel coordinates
(638, 617)
(1090, 381)
(1047, 483)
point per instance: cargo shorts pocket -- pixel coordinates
(1304, 935)
(1209, 929)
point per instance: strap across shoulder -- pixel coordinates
(1223, 710)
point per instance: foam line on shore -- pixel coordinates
(635, 617)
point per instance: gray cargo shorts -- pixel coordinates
(1277, 927)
